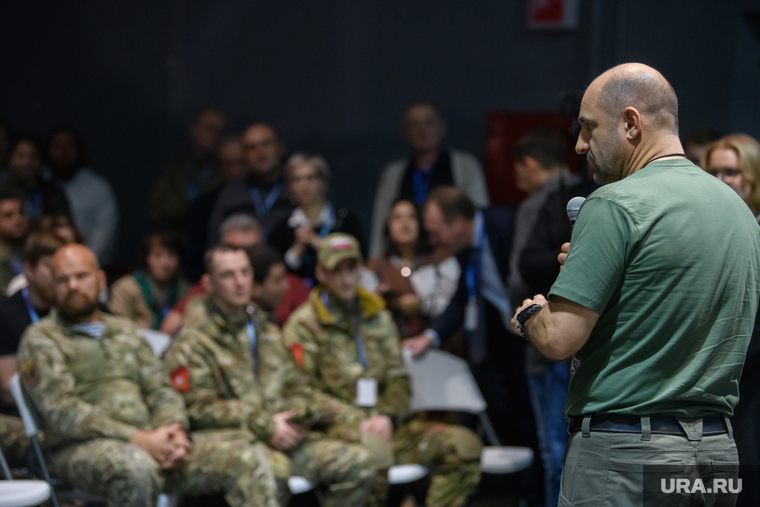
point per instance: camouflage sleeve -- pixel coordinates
(50, 384)
(395, 397)
(165, 404)
(192, 375)
(320, 407)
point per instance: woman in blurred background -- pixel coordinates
(150, 292)
(299, 237)
(415, 284)
(735, 160)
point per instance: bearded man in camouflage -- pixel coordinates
(113, 423)
(346, 344)
(233, 370)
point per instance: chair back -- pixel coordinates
(26, 409)
(157, 340)
(442, 381)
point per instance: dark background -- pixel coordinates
(334, 76)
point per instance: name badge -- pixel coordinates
(471, 315)
(366, 392)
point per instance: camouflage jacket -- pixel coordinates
(323, 341)
(222, 386)
(87, 388)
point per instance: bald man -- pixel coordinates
(262, 193)
(113, 424)
(655, 303)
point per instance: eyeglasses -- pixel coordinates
(726, 172)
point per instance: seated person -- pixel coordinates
(347, 346)
(14, 226)
(415, 284)
(233, 371)
(299, 237)
(40, 193)
(242, 231)
(18, 312)
(148, 294)
(114, 426)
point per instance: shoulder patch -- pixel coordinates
(297, 350)
(180, 379)
(29, 372)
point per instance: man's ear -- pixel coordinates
(102, 283)
(632, 120)
(206, 281)
(531, 163)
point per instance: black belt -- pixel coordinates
(713, 424)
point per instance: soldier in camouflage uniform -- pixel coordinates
(230, 365)
(344, 341)
(113, 424)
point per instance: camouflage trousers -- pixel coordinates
(344, 468)
(220, 462)
(13, 440)
(450, 452)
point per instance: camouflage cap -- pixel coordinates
(336, 247)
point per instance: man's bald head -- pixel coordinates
(641, 87)
(77, 280)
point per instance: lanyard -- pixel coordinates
(360, 350)
(29, 308)
(36, 206)
(329, 222)
(196, 184)
(252, 341)
(263, 207)
(421, 183)
(472, 276)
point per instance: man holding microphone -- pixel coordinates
(656, 299)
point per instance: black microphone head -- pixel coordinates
(573, 207)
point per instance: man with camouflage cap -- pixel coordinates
(230, 365)
(113, 424)
(347, 345)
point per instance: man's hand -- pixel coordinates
(537, 299)
(417, 344)
(168, 445)
(286, 435)
(380, 425)
(562, 256)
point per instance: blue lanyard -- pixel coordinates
(421, 185)
(252, 341)
(360, 350)
(329, 222)
(35, 208)
(263, 207)
(472, 276)
(29, 308)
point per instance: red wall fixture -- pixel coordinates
(503, 130)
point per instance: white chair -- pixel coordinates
(21, 493)
(157, 340)
(441, 381)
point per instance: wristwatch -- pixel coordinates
(525, 315)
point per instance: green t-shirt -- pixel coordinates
(670, 259)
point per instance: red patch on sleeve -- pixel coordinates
(181, 379)
(297, 350)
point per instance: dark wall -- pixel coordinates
(334, 76)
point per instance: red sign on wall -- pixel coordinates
(562, 14)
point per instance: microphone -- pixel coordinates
(573, 208)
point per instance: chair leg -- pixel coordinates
(43, 466)
(4, 466)
(488, 428)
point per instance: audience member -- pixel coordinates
(270, 279)
(242, 231)
(539, 158)
(234, 372)
(735, 159)
(696, 143)
(262, 193)
(41, 194)
(298, 238)
(148, 294)
(14, 226)
(183, 181)
(427, 167)
(346, 344)
(415, 284)
(90, 196)
(114, 426)
(18, 312)
(232, 165)
(482, 240)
